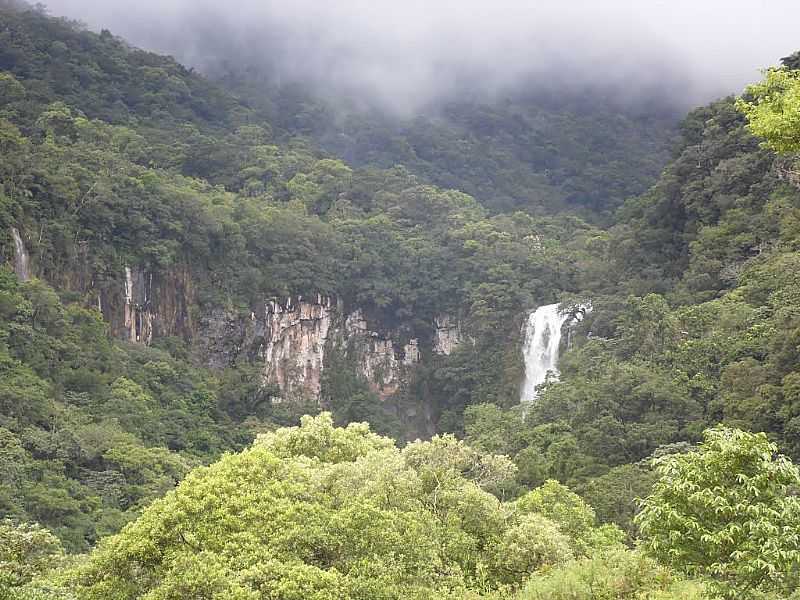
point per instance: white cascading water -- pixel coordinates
(540, 350)
(21, 260)
(128, 286)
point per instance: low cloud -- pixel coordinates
(404, 55)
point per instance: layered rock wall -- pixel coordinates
(288, 338)
(291, 339)
(149, 305)
(295, 337)
(383, 360)
(447, 335)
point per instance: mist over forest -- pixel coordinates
(403, 56)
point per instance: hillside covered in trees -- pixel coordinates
(170, 242)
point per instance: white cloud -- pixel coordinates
(406, 53)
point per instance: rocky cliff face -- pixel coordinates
(143, 305)
(137, 316)
(447, 335)
(383, 361)
(299, 332)
(292, 340)
(295, 338)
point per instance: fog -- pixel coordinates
(403, 54)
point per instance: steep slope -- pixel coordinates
(584, 153)
(152, 320)
(695, 293)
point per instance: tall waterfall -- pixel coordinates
(22, 261)
(540, 350)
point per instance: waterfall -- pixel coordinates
(540, 350)
(21, 259)
(128, 286)
(542, 344)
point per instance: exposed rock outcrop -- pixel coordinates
(137, 318)
(146, 305)
(382, 361)
(447, 335)
(295, 337)
(292, 338)
(288, 338)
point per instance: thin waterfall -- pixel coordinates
(22, 262)
(128, 286)
(129, 309)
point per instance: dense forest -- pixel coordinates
(531, 151)
(149, 214)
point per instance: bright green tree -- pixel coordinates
(616, 575)
(328, 513)
(26, 552)
(727, 511)
(772, 108)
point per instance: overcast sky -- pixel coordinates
(404, 53)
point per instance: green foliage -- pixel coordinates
(716, 238)
(556, 502)
(324, 512)
(727, 511)
(528, 152)
(316, 437)
(772, 108)
(91, 431)
(103, 147)
(533, 544)
(26, 551)
(613, 494)
(618, 575)
(694, 231)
